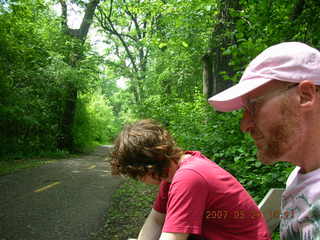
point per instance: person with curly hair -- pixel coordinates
(196, 197)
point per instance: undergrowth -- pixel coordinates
(130, 205)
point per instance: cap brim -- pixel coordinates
(231, 98)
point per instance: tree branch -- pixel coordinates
(107, 24)
(110, 10)
(134, 19)
(104, 20)
(64, 10)
(87, 19)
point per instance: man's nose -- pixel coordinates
(246, 123)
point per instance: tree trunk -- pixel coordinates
(208, 78)
(66, 140)
(215, 64)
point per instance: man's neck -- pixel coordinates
(309, 155)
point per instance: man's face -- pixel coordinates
(272, 122)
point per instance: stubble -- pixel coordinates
(281, 135)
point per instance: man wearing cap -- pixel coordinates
(279, 94)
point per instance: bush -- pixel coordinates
(94, 122)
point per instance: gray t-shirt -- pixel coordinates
(300, 206)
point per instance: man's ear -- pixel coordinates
(307, 91)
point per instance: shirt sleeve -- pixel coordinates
(186, 203)
(160, 204)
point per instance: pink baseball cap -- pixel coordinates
(288, 62)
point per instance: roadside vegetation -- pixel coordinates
(7, 167)
(130, 205)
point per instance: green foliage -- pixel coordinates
(178, 46)
(27, 112)
(130, 205)
(95, 122)
(7, 167)
(263, 23)
(34, 75)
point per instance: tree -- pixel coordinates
(30, 89)
(78, 37)
(44, 66)
(128, 25)
(216, 67)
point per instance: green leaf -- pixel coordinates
(162, 45)
(258, 164)
(185, 44)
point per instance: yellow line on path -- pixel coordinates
(91, 167)
(46, 187)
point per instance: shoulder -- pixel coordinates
(196, 160)
(200, 165)
(188, 179)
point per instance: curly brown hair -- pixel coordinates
(144, 147)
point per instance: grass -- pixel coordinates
(15, 162)
(130, 205)
(10, 164)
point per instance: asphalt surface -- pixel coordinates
(65, 200)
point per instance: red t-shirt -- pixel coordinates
(204, 199)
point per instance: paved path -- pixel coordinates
(65, 200)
